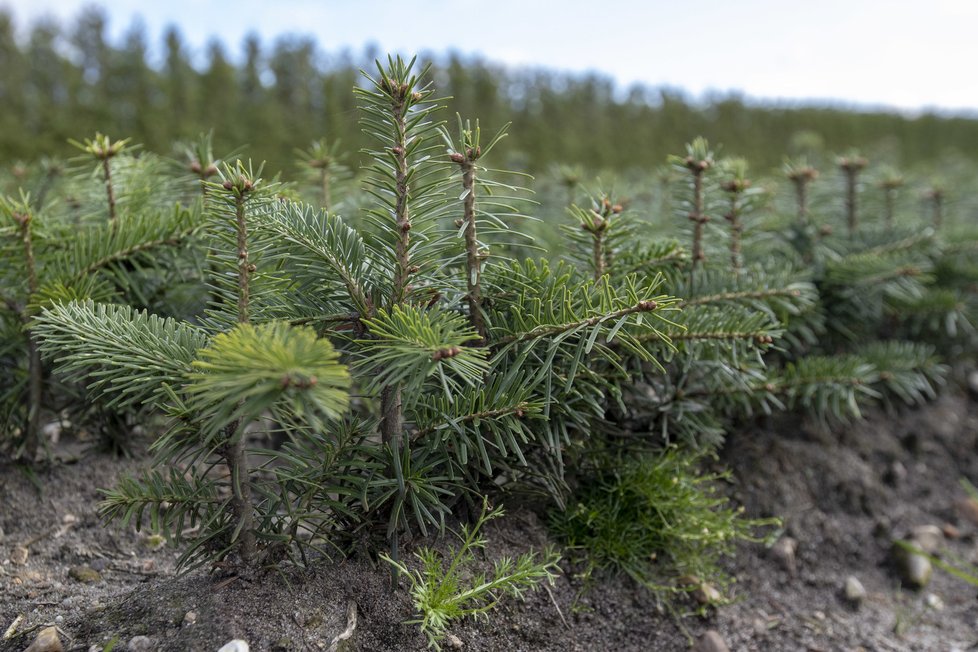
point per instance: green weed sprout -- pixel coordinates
(443, 595)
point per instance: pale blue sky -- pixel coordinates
(898, 53)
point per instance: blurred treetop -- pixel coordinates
(59, 82)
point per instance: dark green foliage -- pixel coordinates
(656, 518)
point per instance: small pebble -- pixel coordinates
(69, 519)
(190, 618)
(47, 641)
(84, 574)
(915, 570)
(707, 594)
(927, 537)
(951, 532)
(934, 601)
(58, 620)
(711, 641)
(454, 641)
(854, 590)
(18, 556)
(236, 645)
(140, 644)
(784, 551)
(967, 509)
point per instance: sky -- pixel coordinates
(899, 54)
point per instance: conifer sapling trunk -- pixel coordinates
(34, 370)
(235, 454)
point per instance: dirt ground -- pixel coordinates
(844, 495)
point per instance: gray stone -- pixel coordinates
(915, 570)
(784, 551)
(934, 601)
(927, 537)
(141, 644)
(707, 594)
(711, 641)
(854, 590)
(18, 556)
(47, 641)
(236, 645)
(454, 642)
(84, 574)
(190, 619)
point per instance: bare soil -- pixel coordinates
(844, 495)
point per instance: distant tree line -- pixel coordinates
(58, 83)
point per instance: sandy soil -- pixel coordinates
(844, 496)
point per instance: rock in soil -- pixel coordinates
(855, 592)
(47, 641)
(237, 645)
(140, 644)
(927, 537)
(915, 570)
(711, 641)
(967, 509)
(18, 556)
(784, 551)
(453, 642)
(84, 574)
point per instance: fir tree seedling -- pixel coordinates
(21, 214)
(103, 149)
(890, 183)
(698, 160)
(324, 160)
(852, 165)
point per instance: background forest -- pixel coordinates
(57, 82)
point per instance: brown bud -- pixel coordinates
(413, 269)
(252, 267)
(22, 218)
(459, 222)
(648, 304)
(617, 208)
(397, 150)
(520, 413)
(228, 185)
(416, 96)
(195, 166)
(457, 158)
(444, 354)
(405, 227)
(210, 171)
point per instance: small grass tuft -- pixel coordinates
(442, 595)
(658, 520)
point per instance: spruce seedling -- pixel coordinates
(698, 160)
(103, 149)
(935, 196)
(323, 159)
(735, 184)
(890, 183)
(852, 164)
(465, 151)
(21, 213)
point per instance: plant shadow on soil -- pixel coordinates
(844, 497)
